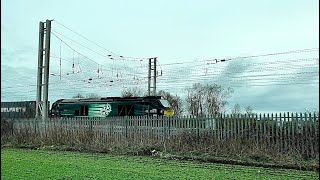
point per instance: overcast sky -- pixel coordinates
(185, 36)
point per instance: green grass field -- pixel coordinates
(42, 164)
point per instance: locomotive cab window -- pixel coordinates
(165, 103)
(84, 110)
(77, 112)
(126, 110)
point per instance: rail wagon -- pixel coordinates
(111, 107)
(18, 109)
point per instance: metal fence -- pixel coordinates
(283, 131)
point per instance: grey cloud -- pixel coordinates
(25, 57)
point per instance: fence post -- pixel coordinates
(269, 125)
(227, 121)
(238, 134)
(272, 130)
(301, 133)
(93, 127)
(217, 126)
(288, 127)
(242, 123)
(306, 133)
(316, 132)
(126, 122)
(35, 127)
(311, 135)
(174, 126)
(156, 130)
(264, 129)
(277, 132)
(234, 129)
(292, 131)
(251, 127)
(256, 129)
(281, 133)
(197, 124)
(245, 127)
(297, 137)
(285, 123)
(224, 126)
(260, 129)
(231, 126)
(13, 127)
(210, 120)
(169, 127)
(91, 124)
(220, 130)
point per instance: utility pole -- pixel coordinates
(154, 76)
(152, 67)
(40, 71)
(149, 76)
(43, 71)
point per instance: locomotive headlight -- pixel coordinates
(168, 112)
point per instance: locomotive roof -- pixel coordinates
(108, 99)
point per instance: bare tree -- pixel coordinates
(216, 98)
(195, 99)
(311, 110)
(91, 95)
(207, 100)
(249, 110)
(236, 109)
(174, 101)
(78, 96)
(132, 92)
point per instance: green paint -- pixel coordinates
(102, 109)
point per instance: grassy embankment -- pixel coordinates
(43, 164)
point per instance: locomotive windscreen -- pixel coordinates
(165, 103)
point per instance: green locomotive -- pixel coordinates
(111, 107)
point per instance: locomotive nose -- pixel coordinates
(168, 112)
